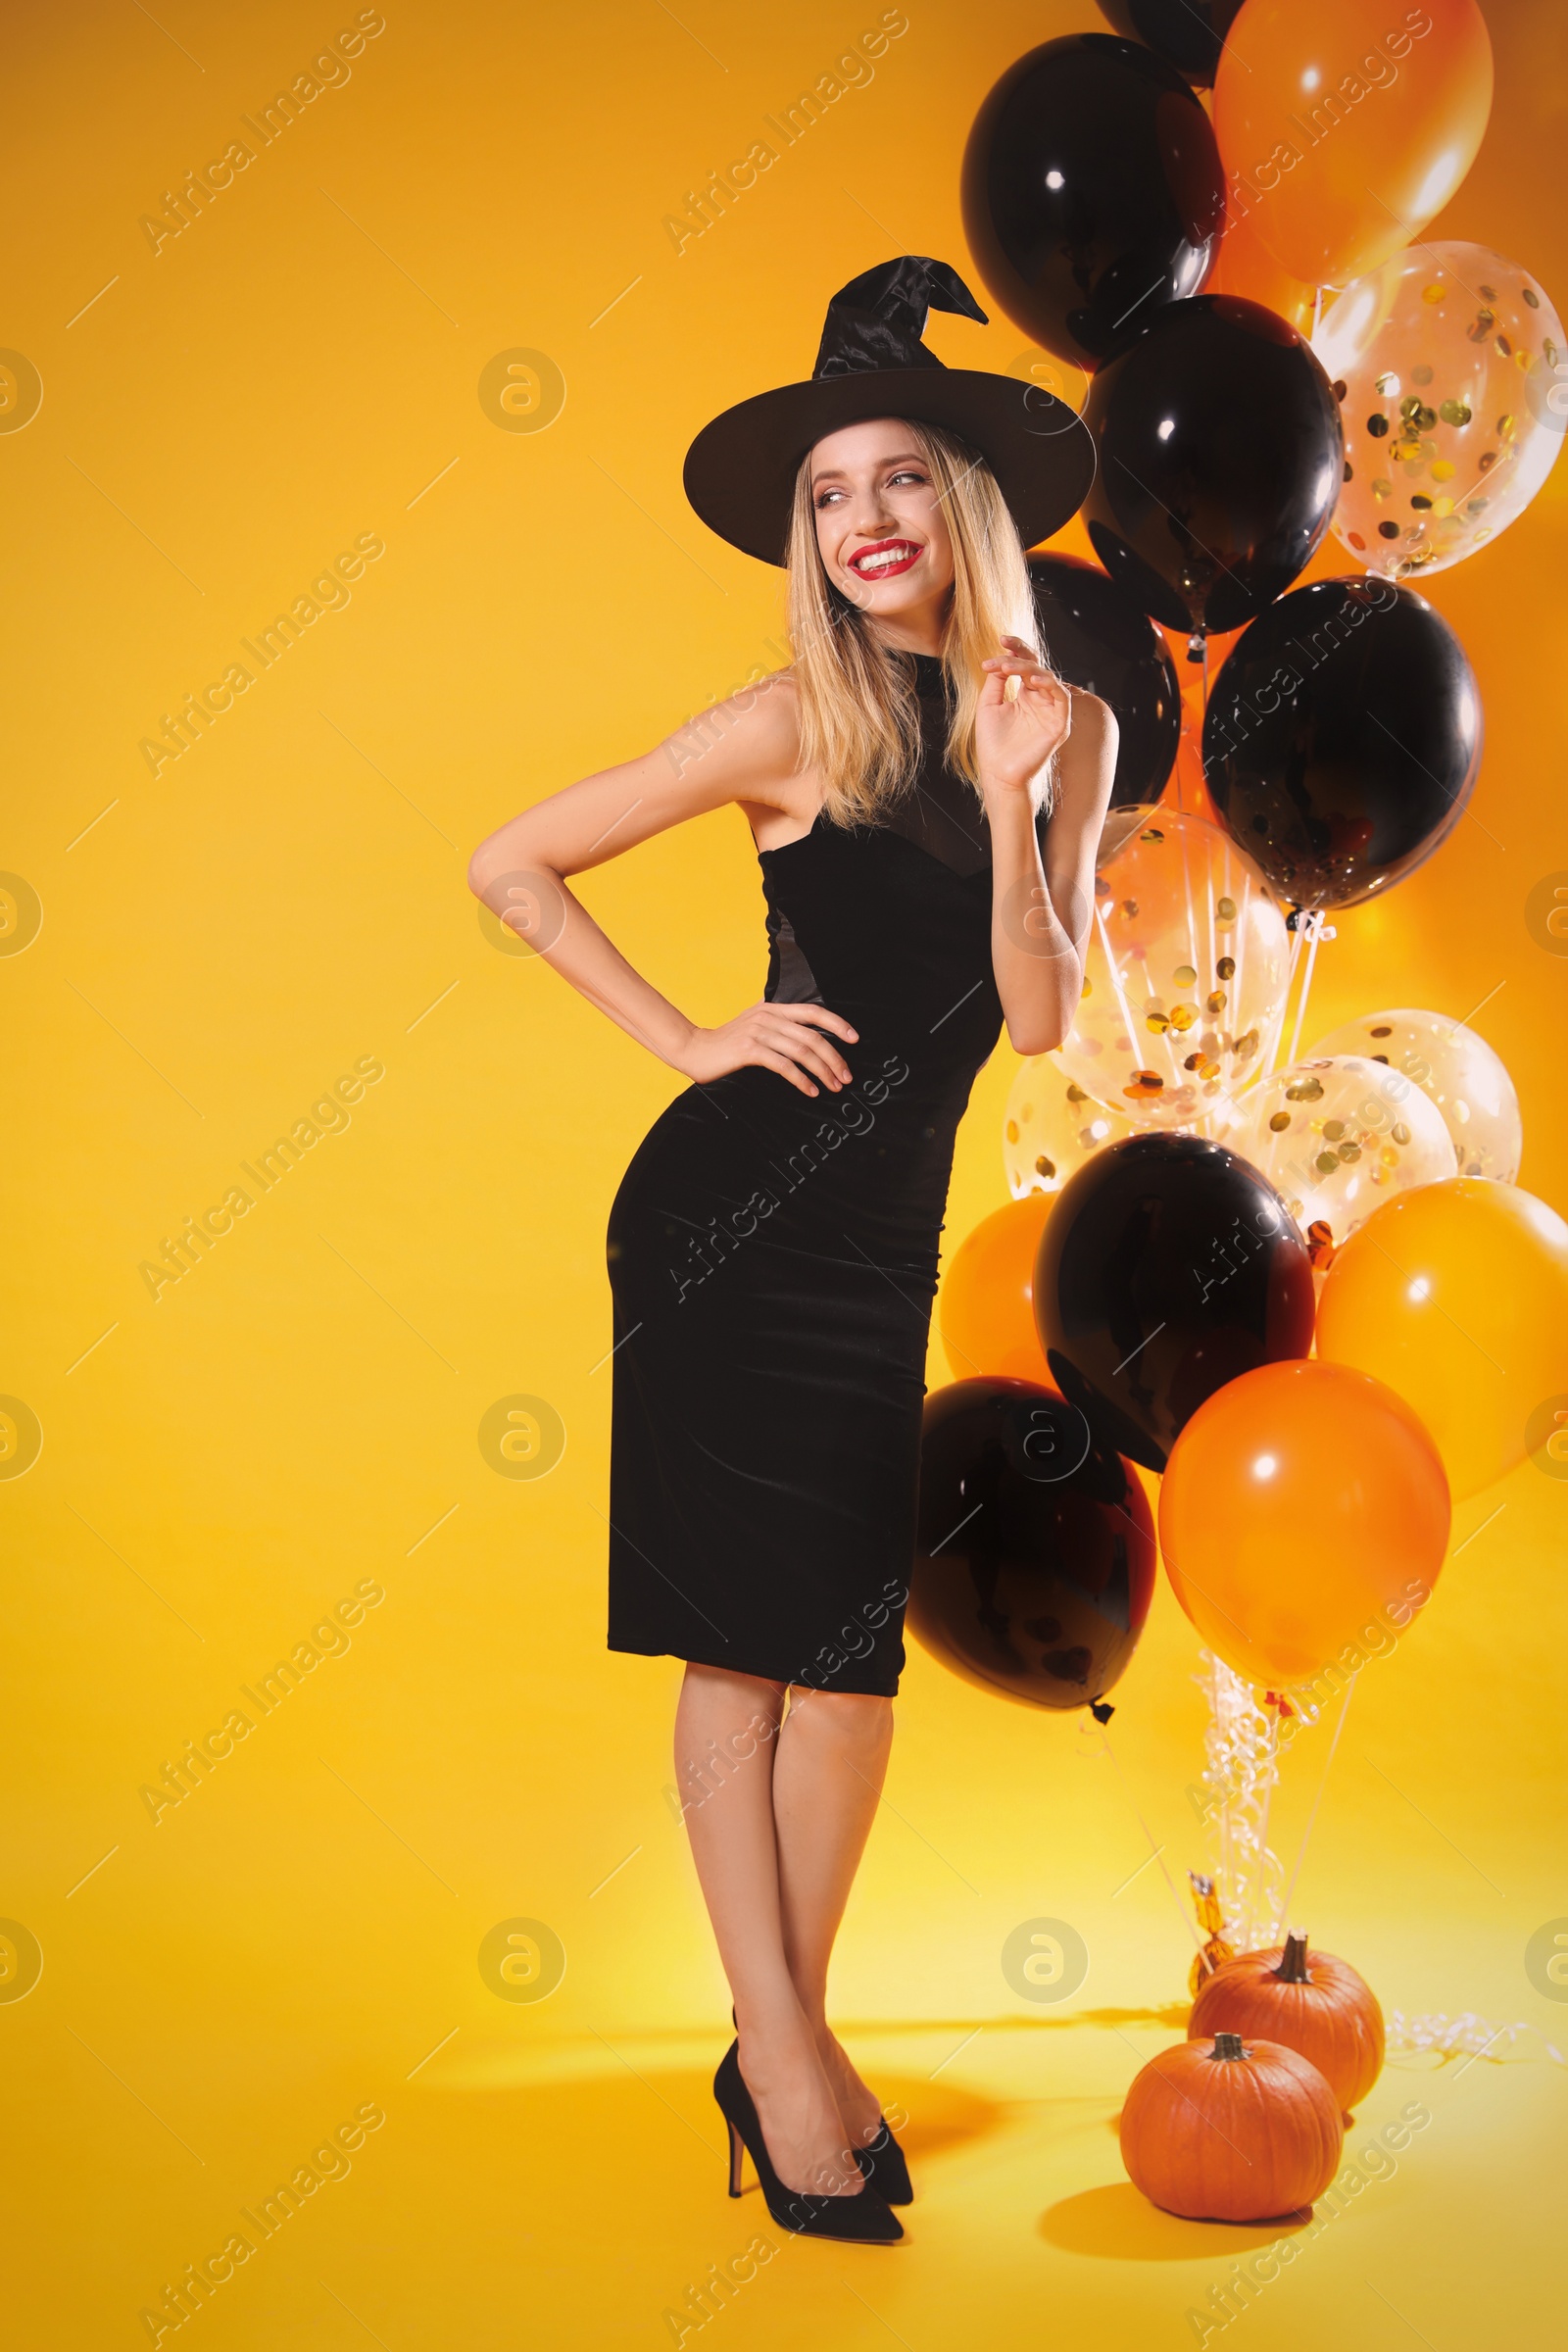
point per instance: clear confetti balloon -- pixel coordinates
(1051, 1127)
(1455, 377)
(1464, 1077)
(1184, 974)
(1337, 1136)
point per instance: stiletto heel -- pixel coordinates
(892, 2173)
(861, 2220)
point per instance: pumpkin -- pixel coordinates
(1227, 2131)
(1314, 2004)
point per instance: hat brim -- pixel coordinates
(741, 469)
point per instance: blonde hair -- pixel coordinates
(859, 717)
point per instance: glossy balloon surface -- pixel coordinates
(1188, 35)
(1219, 462)
(1168, 1266)
(1185, 973)
(1304, 1512)
(1458, 1070)
(1092, 192)
(1052, 1126)
(1036, 1549)
(1337, 1136)
(1456, 1297)
(1097, 637)
(1244, 265)
(1453, 364)
(1342, 737)
(985, 1308)
(1347, 129)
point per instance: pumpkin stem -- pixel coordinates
(1293, 1969)
(1228, 2045)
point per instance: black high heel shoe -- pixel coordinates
(863, 2220)
(882, 2162)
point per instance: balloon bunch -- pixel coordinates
(1310, 1298)
(1311, 1327)
(1177, 251)
(1293, 1293)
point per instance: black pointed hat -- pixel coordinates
(741, 469)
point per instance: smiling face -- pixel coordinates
(881, 529)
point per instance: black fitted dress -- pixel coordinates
(773, 1260)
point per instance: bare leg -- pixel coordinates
(726, 1734)
(828, 1780)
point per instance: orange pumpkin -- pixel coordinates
(1224, 2131)
(1314, 2004)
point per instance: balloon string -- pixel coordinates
(1115, 974)
(1285, 1001)
(1258, 1876)
(1284, 1908)
(1306, 984)
(1158, 1851)
(1225, 1810)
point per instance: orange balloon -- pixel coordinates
(1344, 129)
(986, 1310)
(1456, 1295)
(1189, 789)
(1303, 1514)
(1246, 266)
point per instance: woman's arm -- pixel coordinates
(1040, 914)
(744, 750)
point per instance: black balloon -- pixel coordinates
(1035, 1556)
(1188, 35)
(1097, 637)
(1167, 1267)
(1220, 460)
(1342, 739)
(1093, 192)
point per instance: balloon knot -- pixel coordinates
(1100, 1710)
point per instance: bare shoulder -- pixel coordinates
(1092, 719)
(1086, 767)
(743, 750)
(1088, 759)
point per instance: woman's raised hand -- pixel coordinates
(787, 1038)
(1019, 726)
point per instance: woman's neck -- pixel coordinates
(922, 630)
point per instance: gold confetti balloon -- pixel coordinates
(1466, 1080)
(1051, 1127)
(1452, 371)
(1184, 976)
(1337, 1135)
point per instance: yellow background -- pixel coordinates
(294, 369)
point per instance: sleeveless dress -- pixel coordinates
(774, 1262)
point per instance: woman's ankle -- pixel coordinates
(772, 2041)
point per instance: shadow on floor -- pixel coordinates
(1173, 2015)
(1118, 2223)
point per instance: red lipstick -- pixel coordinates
(905, 552)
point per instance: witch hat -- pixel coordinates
(741, 469)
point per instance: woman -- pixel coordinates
(773, 1246)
